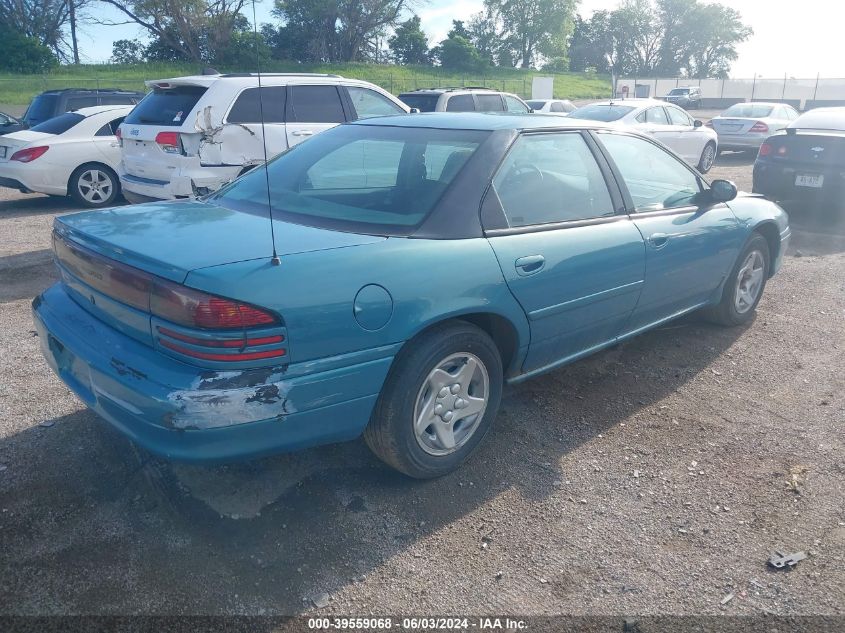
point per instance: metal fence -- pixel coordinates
(802, 93)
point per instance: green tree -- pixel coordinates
(128, 52)
(20, 53)
(715, 35)
(459, 30)
(409, 44)
(535, 28)
(484, 35)
(458, 53)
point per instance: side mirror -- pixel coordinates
(697, 123)
(722, 191)
(414, 111)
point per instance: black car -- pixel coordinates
(806, 161)
(55, 102)
(688, 97)
(9, 124)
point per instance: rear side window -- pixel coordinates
(656, 116)
(460, 103)
(489, 103)
(59, 124)
(551, 178)
(315, 104)
(75, 103)
(166, 107)
(368, 103)
(248, 107)
(423, 103)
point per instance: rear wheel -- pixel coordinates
(745, 285)
(94, 185)
(438, 402)
(708, 156)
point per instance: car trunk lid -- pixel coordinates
(809, 150)
(733, 125)
(11, 143)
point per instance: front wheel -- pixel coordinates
(708, 156)
(94, 185)
(438, 402)
(744, 287)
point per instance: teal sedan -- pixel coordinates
(386, 278)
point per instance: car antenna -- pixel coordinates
(275, 261)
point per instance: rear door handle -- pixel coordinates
(529, 264)
(302, 133)
(658, 240)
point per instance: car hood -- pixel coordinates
(170, 239)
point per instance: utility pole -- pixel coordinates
(72, 12)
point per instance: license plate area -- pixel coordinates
(75, 374)
(814, 181)
(3, 150)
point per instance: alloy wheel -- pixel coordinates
(749, 281)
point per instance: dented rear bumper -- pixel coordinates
(187, 413)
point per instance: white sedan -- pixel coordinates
(561, 107)
(669, 124)
(74, 154)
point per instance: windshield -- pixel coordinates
(423, 103)
(679, 91)
(59, 124)
(42, 108)
(166, 107)
(749, 110)
(601, 112)
(359, 178)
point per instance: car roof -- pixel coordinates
(440, 91)
(481, 121)
(762, 103)
(247, 79)
(100, 91)
(633, 102)
(821, 119)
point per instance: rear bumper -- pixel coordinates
(30, 179)
(740, 141)
(778, 183)
(184, 182)
(186, 413)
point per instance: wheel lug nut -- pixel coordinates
(459, 403)
(447, 417)
(456, 387)
(443, 392)
(438, 409)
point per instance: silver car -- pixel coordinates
(744, 126)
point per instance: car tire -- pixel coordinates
(708, 157)
(744, 286)
(94, 185)
(433, 373)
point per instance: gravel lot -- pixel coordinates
(653, 478)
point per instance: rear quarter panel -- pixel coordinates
(428, 280)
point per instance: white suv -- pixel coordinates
(469, 99)
(191, 135)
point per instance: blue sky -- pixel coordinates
(802, 49)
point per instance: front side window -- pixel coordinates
(362, 178)
(512, 104)
(368, 103)
(315, 104)
(679, 117)
(248, 108)
(551, 178)
(460, 103)
(655, 179)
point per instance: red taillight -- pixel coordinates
(228, 343)
(765, 149)
(192, 308)
(782, 150)
(759, 128)
(29, 154)
(169, 142)
(242, 356)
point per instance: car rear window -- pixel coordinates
(42, 108)
(536, 105)
(601, 112)
(59, 124)
(423, 103)
(166, 106)
(748, 110)
(359, 178)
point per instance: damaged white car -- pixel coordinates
(191, 135)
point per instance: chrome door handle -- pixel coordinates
(302, 133)
(529, 264)
(658, 240)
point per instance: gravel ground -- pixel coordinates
(653, 478)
